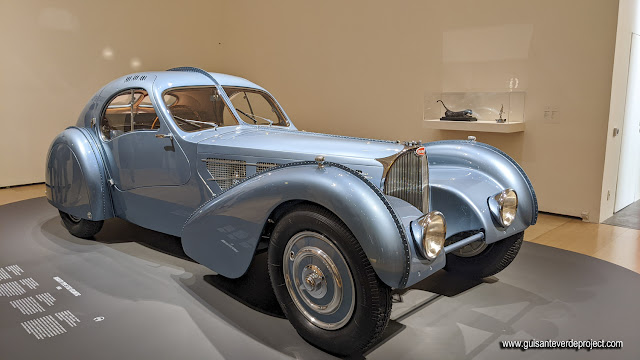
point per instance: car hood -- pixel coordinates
(294, 145)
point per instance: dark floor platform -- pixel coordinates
(133, 294)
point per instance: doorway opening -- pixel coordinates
(627, 195)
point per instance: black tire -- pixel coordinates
(372, 301)
(495, 258)
(81, 228)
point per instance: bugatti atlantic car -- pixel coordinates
(215, 160)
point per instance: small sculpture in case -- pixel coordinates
(463, 115)
(500, 119)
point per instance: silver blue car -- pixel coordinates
(214, 159)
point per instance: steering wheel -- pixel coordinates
(154, 123)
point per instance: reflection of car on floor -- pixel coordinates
(214, 159)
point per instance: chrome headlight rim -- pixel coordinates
(429, 233)
(504, 206)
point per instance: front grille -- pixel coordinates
(227, 172)
(408, 179)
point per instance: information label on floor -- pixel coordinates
(32, 299)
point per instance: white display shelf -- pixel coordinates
(486, 108)
(481, 126)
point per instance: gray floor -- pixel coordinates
(628, 217)
(141, 298)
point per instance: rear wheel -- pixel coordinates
(325, 284)
(81, 228)
(479, 260)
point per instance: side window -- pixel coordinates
(130, 110)
(198, 108)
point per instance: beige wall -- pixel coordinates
(354, 68)
(364, 69)
(628, 23)
(55, 56)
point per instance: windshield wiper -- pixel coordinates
(263, 118)
(250, 107)
(197, 122)
(254, 116)
(247, 115)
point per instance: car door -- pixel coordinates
(140, 149)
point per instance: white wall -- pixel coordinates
(357, 68)
(628, 23)
(55, 56)
(364, 69)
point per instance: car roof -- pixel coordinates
(168, 79)
(163, 80)
(231, 80)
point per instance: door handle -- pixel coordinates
(164, 136)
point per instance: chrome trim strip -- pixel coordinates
(426, 192)
(223, 161)
(389, 160)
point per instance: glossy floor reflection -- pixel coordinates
(157, 303)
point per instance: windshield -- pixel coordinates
(255, 106)
(198, 108)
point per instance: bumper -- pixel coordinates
(420, 267)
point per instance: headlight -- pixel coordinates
(504, 206)
(429, 233)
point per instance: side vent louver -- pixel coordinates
(135, 77)
(227, 173)
(263, 166)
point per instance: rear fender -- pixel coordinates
(75, 176)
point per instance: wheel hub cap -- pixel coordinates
(319, 280)
(314, 281)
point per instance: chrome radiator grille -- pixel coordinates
(408, 179)
(227, 172)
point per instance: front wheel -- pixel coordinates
(325, 284)
(81, 228)
(479, 260)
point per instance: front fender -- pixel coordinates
(224, 232)
(75, 176)
(464, 174)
